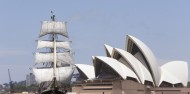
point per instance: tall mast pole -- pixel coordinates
(55, 56)
(54, 46)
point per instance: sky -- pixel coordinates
(163, 25)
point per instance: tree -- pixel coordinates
(188, 84)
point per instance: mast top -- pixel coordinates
(53, 16)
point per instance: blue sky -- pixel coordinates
(164, 25)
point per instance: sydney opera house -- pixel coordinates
(133, 70)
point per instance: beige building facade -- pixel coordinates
(124, 87)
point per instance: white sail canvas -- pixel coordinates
(53, 27)
(49, 44)
(63, 74)
(49, 57)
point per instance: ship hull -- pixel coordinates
(52, 92)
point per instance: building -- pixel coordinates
(30, 79)
(134, 70)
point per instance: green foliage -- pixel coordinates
(21, 87)
(188, 84)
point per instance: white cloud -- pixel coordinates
(76, 17)
(4, 53)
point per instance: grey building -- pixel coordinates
(30, 79)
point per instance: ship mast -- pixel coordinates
(58, 53)
(54, 47)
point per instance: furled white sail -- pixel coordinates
(53, 27)
(48, 57)
(49, 44)
(63, 74)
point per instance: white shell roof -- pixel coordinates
(120, 68)
(179, 69)
(137, 66)
(168, 77)
(88, 70)
(172, 72)
(149, 57)
(109, 50)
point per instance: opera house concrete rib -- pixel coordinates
(136, 63)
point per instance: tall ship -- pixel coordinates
(53, 67)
